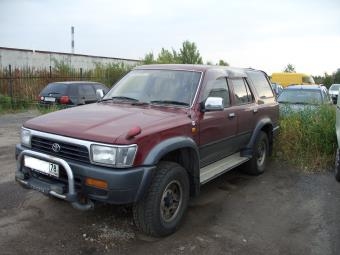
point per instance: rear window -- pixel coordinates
(261, 84)
(334, 87)
(300, 96)
(55, 88)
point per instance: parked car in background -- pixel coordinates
(70, 93)
(297, 97)
(277, 88)
(337, 128)
(334, 92)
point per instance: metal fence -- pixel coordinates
(24, 84)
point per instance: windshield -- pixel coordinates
(334, 87)
(300, 96)
(157, 86)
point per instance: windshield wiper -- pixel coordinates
(169, 102)
(120, 98)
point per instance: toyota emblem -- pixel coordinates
(56, 147)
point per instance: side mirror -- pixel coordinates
(213, 104)
(99, 94)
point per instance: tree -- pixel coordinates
(327, 80)
(149, 59)
(289, 69)
(337, 76)
(222, 63)
(189, 54)
(167, 57)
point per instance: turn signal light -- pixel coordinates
(96, 183)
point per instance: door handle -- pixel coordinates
(231, 115)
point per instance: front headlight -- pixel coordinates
(120, 156)
(25, 137)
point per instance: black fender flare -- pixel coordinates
(172, 144)
(247, 151)
(167, 146)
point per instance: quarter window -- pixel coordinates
(86, 90)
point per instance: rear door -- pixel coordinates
(245, 110)
(217, 128)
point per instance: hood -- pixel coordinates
(105, 122)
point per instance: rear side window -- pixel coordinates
(261, 84)
(241, 92)
(55, 88)
(86, 90)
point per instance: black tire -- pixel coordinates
(257, 164)
(160, 211)
(337, 165)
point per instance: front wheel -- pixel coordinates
(257, 164)
(337, 165)
(161, 210)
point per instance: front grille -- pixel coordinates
(67, 150)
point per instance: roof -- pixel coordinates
(77, 82)
(304, 87)
(230, 71)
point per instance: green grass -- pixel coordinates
(48, 109)
(8, 105)
(308, 139)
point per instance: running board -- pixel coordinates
(215, 169)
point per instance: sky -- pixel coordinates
(261, 34)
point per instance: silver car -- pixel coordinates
(334, 92)
(337, 128)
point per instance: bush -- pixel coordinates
(307, 138)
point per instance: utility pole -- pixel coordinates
(72, 38)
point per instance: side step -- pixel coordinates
(217, 168)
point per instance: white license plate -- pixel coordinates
(42, 166)
(49, 99)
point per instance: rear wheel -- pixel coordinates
(257, 164)
(161, 210)
(337, 165)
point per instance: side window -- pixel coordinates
(217, 88)
(261, 84)
(241, 91)
(86, 90)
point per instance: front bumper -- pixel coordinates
(124, 186)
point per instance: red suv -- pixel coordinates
(159, 134)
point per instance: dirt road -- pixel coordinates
(279, 212)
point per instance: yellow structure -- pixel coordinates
(286, 79)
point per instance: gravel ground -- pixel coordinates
(279, 212)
